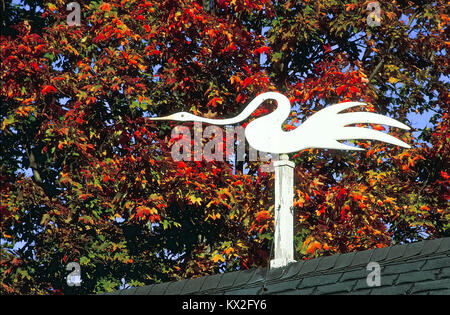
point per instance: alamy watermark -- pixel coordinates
(73, 278)
(74, 17)
(374, 277)
(374, 16)
(188, 148)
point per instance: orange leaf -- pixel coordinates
(228, 251)
(313, 247)
(262, 215)
(105, 7)
(370, 152)
(378, 127)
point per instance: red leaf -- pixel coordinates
(340, 89)
(341, 193)
(48, 89)
(327, 48)
(214, 101)
(35, 66)
(353, 89)
(261, 50)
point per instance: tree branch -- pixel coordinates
(391, 45)
(34, 166)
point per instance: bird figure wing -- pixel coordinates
(327, 126)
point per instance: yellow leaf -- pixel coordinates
(218, 257)
(393, 80)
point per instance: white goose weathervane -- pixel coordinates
(322, 130)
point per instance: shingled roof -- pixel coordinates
(414, 268)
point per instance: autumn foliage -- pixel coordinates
(87, 178)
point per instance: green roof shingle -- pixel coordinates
(414, 268)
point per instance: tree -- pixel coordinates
(87, 178)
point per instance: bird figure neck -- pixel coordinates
(281, 113)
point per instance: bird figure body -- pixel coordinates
(321, 130)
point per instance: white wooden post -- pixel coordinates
(284, 216)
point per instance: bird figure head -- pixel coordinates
(181, 116)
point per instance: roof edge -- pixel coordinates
(259, 277)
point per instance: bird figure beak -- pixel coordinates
(161, 118)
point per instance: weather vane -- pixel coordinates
(322, 130)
